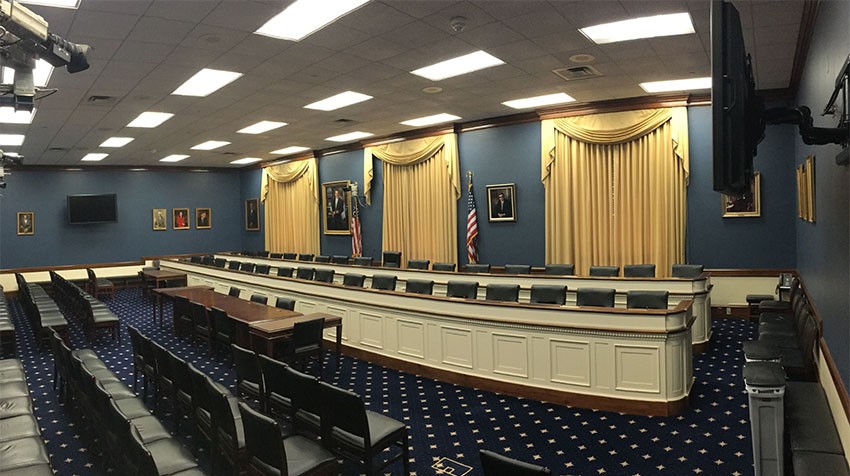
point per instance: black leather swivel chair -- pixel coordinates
(517, 269)
(647, 299)
(353, 279)
(247, 267)
(285, 303)
(276, 255)
(599, 297)
(477, 268)
(502, 292)
(339, 259)
(260, 298)
(418, 263)
(605, 271)
(324, 275)
(548, 294)
(385, 282)
(323, 259)
(234, 291)
(462, 289)
(639, 271)
(262, 269)
(234, 265)
(305, 257)
(392, 259)
(363, 261)
(560, 269)
(443, 267)
(290, 256)
(419, 286)
(285, 271)
(305, 273)
(687, 270)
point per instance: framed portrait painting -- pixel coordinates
(180, 218)
(746, 205)
(810, 189)
(252, 214)
(336, 206)
(501, 202)
(160, 219)
(203, 218)
(26, 223)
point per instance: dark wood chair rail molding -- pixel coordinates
(67, 267)
(162, 257)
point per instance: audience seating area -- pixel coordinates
(41, 310)
(92, 313)
(22, 448)
(8, 341)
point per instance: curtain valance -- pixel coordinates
(290, 172)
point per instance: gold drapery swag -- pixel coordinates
(290, 192)
(615, 187)
(421, 189)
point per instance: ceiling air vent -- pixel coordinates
(100, 100)
(344, 122)
(577, 72)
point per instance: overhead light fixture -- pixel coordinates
(174, 158)
(116, 142)
(150, 120)
(537, 101)
(677, 85)
(210, 145)
(458, 66)
(246, 160)
(206, 82)
(8, 115)
(428, 120)
(638, 28)
(290, 150)
(350, 136)
(54, 3)
(11, 139)
(338, 101)
(260, 127)
(94, 157)
(304, 17)
(40, 74)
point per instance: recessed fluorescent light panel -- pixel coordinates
(339, 101)
(94, 157)
(350, 136)
(304, 17)
(174, 158)
(290, 150)
(260, 127)
(428, 120)
(637, 28)
(206, 82)
(537, 101)
(8, 115)
(11, 139)
(246, 160)
(40, 74)
(54, 3)
(210, 145)
(150, 120)
(116, 142)
(458, 66)
(677, 85)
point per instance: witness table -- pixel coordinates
(264, 335)
(163, 276)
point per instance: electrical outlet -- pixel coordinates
(728, 311)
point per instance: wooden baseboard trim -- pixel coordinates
(701, 347)
(633, 407)
(735, 312)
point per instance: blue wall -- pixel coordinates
(823, 253)
(249, 188)
(767, 241)
(57, 243)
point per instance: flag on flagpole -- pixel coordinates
(471, 225)
(356, 240)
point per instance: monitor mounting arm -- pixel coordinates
(802, 117)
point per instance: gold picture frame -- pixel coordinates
(180, 218)
(336, 207)
(160, 219)
(26, 223)
(747, 205)
(252, 214)
(501, 202)
(810, 189)
(203, 218)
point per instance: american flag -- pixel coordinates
(356, 240)
(471, 226)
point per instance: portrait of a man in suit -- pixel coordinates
(159, 220)
(202, 218)
(336, 208)
(500, 199)
(26, 223)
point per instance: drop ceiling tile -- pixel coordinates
(363, 19)
(376, 49)
(563, 41)
(159, 30)
(103, 25)
(583, 14)
(473, 17)
(183, 10)
(775, 13)
(143, 52)
(543, 21)
(490, 35)
(241, 15)
(336, 39)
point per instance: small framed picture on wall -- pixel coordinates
(203, 218)
(252, 214)
(747, 204)
(26, 223)
(180, 218)
(160, 219)
(501, 202)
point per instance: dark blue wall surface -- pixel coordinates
(55, 242)
(249, 183)
(499, 155)
(823, 247)
(767, 241)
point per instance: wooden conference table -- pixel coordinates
(163, 276)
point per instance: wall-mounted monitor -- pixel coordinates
(84, 209)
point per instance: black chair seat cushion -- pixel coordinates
(757, 298)
(380, 428)
(22, 426)
(756, 350)
(170, 457)
(780, 341)
(105, 376)
(279, 401)
(303, 456)
(14, 389)
(21, 453)
(774, 305)
(41, 469)
(133, 408)
(809, 422)
(15, 406)
(308, 420)
(251, 388)
(150, 429)
(86, 354)
(809, 462)
(118, 391)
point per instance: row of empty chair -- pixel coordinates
(8, 342)
(22, 448)
(41, 310)
(92, 313)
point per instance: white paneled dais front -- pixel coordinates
(570, 362)
(457, 347)
(510, 355)
(411, 338)
(638, 368)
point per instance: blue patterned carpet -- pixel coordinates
(449, 423)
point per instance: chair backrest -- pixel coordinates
(418, 263)
(304, 389)
(477, 268)
(285, 271)
(606, 271)
(181, 307)
(290, 256)
(274, 376)
(462, 289)
(234, 264)
(363, 260)
(247, 365)
(353, 279)
(200, 394)
(305, 273)
(264, 253)
(502, 292)
(276, 255)
(548, 294)
(262, 269)
(260, 298)
(324, 275)
(219, 262)
(225, 419)
(323, 259)
(346, 411)
(199, 314)
(517, 269)
(384, 281)
(305, 257)
(494, 464)
(263, 441)
(339, 259)
(443, 267)
(647, 299)
(419, 286)
(207, 260)
(599, 297)
(247, 267)
(285, 303)
(687, 270)
(234, 291)
(392, 259)
(639, 271)
(195, 259)
(307, 333)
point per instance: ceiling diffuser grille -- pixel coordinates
(576, 73)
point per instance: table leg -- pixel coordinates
(338, 345)
(270, 348)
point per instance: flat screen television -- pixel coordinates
(737, 112)
(84, 209)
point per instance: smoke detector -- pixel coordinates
(458, 24)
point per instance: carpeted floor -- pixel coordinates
(449, 423)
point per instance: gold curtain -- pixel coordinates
(615, 188)
(421, 189)
(290, 193)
